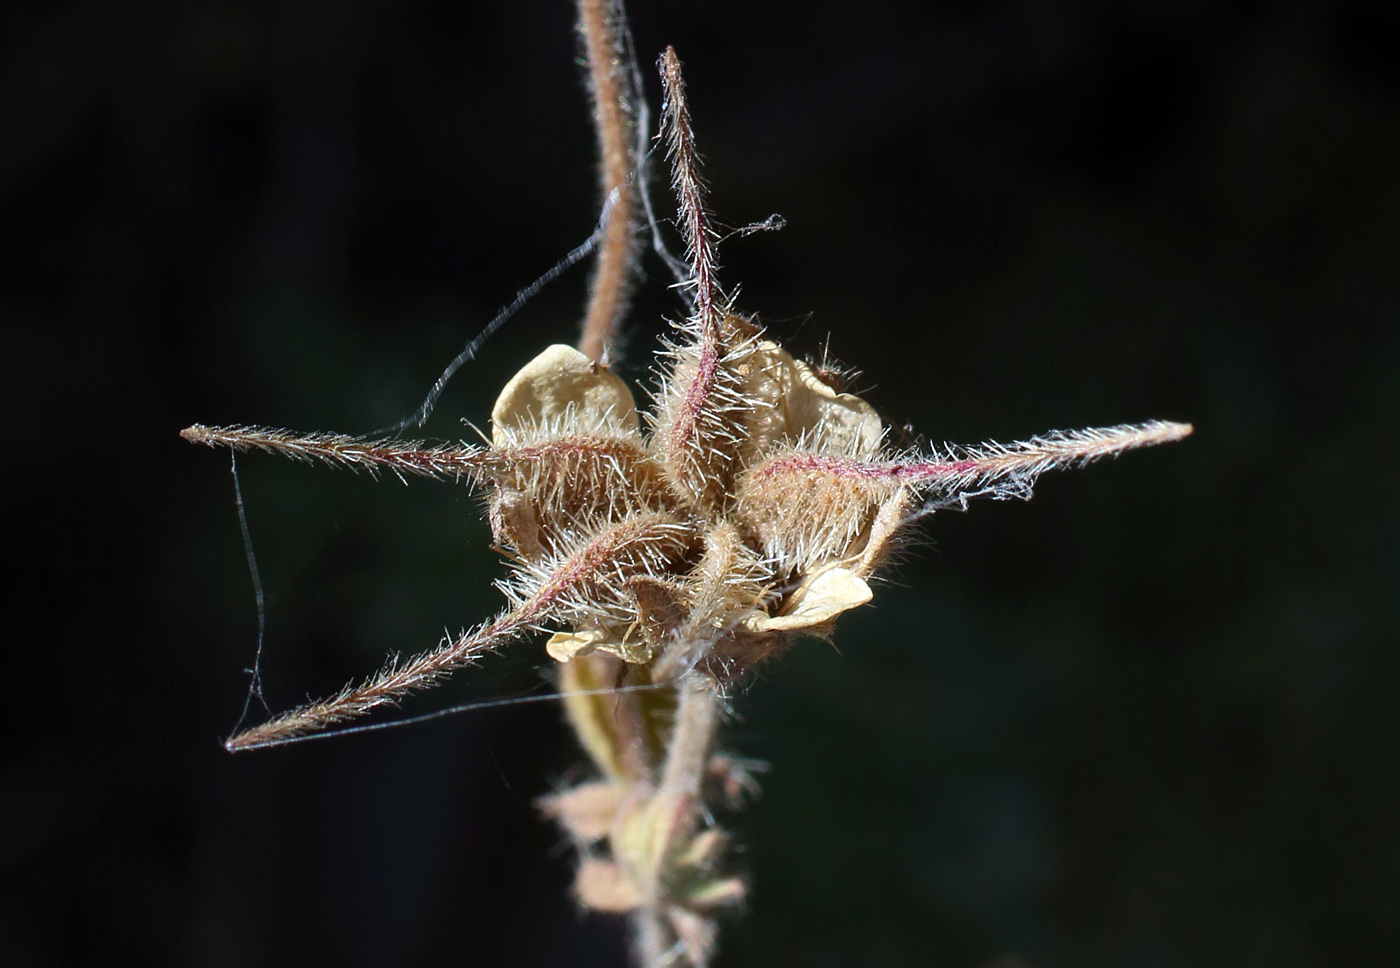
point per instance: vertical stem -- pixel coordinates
(692, 739)
(653, 938)
(688, 753)
(598, 25)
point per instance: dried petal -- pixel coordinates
(816, 601)
(884, 534)
(809, 410)
(562, 386)
(591, 715)
(563, 646)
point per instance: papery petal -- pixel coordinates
(840, 420)
(563, 646)
(808, 409)
(815, 602)
(592, 715)
(561, 385)
(891, 519)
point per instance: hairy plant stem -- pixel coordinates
(680, 795)
(599, 23)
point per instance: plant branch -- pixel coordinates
(680, 800)
(599, 22)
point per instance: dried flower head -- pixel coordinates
(670, 556)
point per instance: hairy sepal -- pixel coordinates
(585, 584)
(549, 484)
(801, 514)
(704, 412)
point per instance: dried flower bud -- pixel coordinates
(562, 388)
(756, 509)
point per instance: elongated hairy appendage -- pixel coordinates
(399, 457)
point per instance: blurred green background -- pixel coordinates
(1145, 720)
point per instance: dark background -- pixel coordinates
(1147, 719)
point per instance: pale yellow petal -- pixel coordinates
(591, 715)
(563, 646)
(629, 649)
(816, 602)
(563, 384)
(807, 409)
(842, 421)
